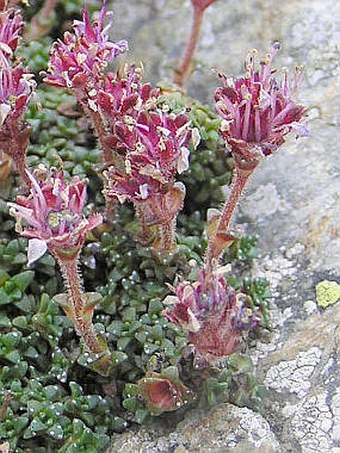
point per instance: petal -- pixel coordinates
(4, 111)
(36, 249)
(183, 161)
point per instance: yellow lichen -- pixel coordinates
(327, 293)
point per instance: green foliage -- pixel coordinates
(36, 52)
(243, 249)
(234, 381)
(56, 134)
(259, 291)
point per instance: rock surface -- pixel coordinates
(223, 428)
(292, 203)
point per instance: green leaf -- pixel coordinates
(4, 321)
(130, 404)
(4, 298)
(122, 343)
(118, 423)
(130, 390)
(140, 415)
(129, 314)
(23, 279)
(240, 363)
(21, 322)
(118, 357)
(155, 306)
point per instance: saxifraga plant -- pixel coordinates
(142, 351)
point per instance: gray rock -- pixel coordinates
(224, 428)
(292, 202)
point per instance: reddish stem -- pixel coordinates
(22, 169)
(15, 147)
(242, 174)
(107, 154)
(182, 73)
(145, 233)
(167, 236)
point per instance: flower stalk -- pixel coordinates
(257, 113)
(78, 307)
(184, 69)
(241, 176)
(15, 144)
(80, 311)
(82, 324)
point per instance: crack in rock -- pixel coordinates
(293, 375)
(311, 423)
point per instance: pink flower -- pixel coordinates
(157, 150)
(54, 213)
(258, 111)
(77, 62)
(120, 100)
(163, 393)
(201, 5)
(16, 89)
(11, 24)
(215, 317)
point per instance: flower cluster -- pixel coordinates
(16, 86)
(258, 111)
(16, 89)
(122, 97)
(54, 212)
(143, 145)
(11, 25)
(155, 149)
(77, 62)
(215, 316)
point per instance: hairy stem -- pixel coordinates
(183, 71)
(167, 236)
(21, 164)
(107, 154)
(19, 158)
(145, 231)
(74, 285)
